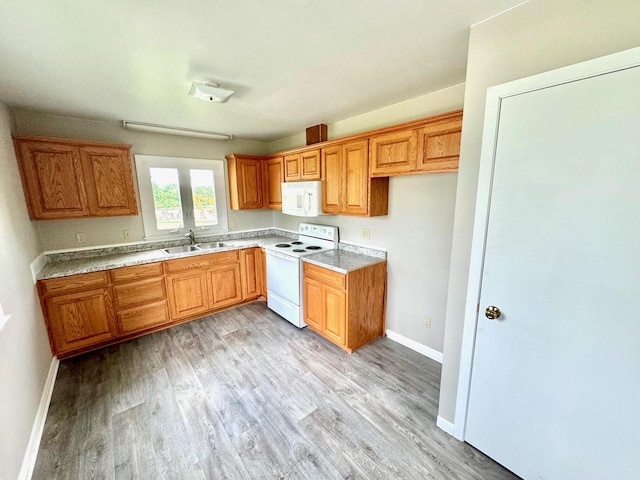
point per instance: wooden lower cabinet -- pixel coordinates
(251, 266)
(225, 286)
(188, 294)
(81, 319)
(345, 309)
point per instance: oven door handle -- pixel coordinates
(282, 255)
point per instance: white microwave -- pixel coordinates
(302, 199)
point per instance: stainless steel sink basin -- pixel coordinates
(209, 246)
(181, 249)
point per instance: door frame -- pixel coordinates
(580, 71)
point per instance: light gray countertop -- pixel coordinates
(89, 264)
(341, 261)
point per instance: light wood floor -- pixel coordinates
(243, 394)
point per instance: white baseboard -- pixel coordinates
(30, 456)
(445, 425)
(413, 345)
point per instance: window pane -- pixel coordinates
(204, 202)
(166, 198)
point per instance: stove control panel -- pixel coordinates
(325, 232)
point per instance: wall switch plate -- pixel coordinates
(366, 233)
(126, 234)
(233, 224)
(80, 237)
(427, 321)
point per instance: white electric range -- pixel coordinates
(284, 269)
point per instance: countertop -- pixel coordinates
(98, 263)
(341, 261)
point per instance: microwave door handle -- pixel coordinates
(307, 203)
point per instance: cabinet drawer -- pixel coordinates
(201, 261)
(142, 318)
(72, 283)
(325, 276)
(136, 272)
(138, 293)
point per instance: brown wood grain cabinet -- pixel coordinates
(72, 179)
(347, 187)
(302, 166)
(346, 309)
(272, 187)
(188, 294)
(245, 182)
(251, 266)
(432, 146)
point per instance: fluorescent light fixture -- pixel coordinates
(210, 93)
(185, 132)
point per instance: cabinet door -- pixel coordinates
(356, 166)
(274, 174)
(292, 168)
(225, 286)
(143, 317)
(313, 300)
(245, 182)
(79, 320)
(334, 303)
(250, 263)
(188, 294)
(332, 179)
(52, 180)
(439, 146)
(393, 153)
(262, 264)
(310, 165)
(108, 181)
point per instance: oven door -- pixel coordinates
(283, 276)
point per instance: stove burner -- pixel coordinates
(283, 245)
(313, 247)
(296, 243)
(298, 250)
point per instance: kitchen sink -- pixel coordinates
(181, 249)
(209, 246)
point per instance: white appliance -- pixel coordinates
(284, 269)
(302, 199)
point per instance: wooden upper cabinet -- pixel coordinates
(310, 165)
(245, 182)
(394, 152)
(332, 179)
(356, 184)
(273, 178)
(292, 167)
(52, 179)
(109, 180)
(73, 179)
(439, 146)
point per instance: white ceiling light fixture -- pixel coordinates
(166, 129)
(210, 92)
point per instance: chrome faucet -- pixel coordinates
(191, 236)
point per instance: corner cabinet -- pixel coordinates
(273, 175)
(346, 309)
(73, 179)
(245, 182)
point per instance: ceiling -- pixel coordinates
(293, 63)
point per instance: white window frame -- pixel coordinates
(183, 165)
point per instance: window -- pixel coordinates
(181, 194)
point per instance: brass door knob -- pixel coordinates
(492, 312)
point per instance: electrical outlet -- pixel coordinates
(365, 233)
(126, 234)
(427, 321)
(233, 224)
(80, 237)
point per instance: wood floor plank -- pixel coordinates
(243, 394)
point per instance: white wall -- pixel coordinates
(24, 349)
(59, 234)
(538, 36)
(417, 232)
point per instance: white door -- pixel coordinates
(555, 383)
